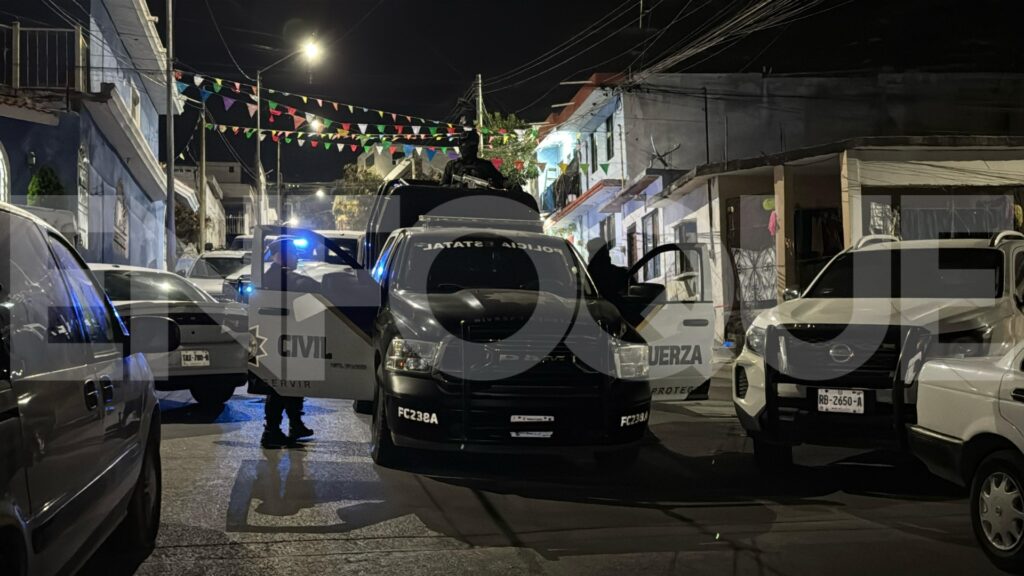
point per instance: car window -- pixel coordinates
(913, 273)
(218, 267)
(381, 265)
(491, 262)
(1018, 269)
(43, 333)
(121, 285)
(97, 322)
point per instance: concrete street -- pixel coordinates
(694, 504)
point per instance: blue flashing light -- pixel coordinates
(300, 243)
(728, 344)
(248, 289)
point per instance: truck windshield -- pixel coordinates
(447, 265)
(913, 273)
(218, 267)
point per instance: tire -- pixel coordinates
(12, 558)
(618, 461)
(772, 457)
(363, 407)
(141, 523)
(212, 395)
(382, 448)
(997, 509)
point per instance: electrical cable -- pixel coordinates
(572, 41)
(577, 54)
(224, 42)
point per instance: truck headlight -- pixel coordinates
(411, 356)
(631, 361)
(755, 340)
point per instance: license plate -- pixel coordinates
(529, 419)
(843, 401)
(192, 358)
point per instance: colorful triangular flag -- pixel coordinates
(228, 102)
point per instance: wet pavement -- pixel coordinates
(694, 504)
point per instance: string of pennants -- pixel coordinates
(413, 125)
(369, 143)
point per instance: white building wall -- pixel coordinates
(927, 168)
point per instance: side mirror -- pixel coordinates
(790, 294)
(152, 335)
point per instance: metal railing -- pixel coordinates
(43, 58)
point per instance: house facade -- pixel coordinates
(79, 127)
(777, 175)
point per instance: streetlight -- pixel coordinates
(312, 51)
(320, 193)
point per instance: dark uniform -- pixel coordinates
(611, 280)
(281, 277)
(470, 164)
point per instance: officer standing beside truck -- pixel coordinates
(281, 277)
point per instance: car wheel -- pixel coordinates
(997, 509)
(618, 461)
(382, 448)
(212, 395)
(772, 457)
(142, 521)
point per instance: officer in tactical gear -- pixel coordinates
(471, 167)
(282, 277)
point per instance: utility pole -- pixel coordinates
(280, 197)
(202, 179)
(707, 127)
(172, 248)
(480, 108)
(260, 192)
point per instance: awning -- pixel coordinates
(640, 186)
(597, 193)
(634, 191)
(186, 193)
(116, 122)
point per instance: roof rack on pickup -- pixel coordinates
(468, 222)
(1005, 235)
(874, 239)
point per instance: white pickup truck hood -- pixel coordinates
(950, 313)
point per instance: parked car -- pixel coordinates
(213, 268)
(970, 418)
(211, 362)
(836, 365)
(79, 421)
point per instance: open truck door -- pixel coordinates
(311, 324)
(676, 317)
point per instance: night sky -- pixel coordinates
(418, 57)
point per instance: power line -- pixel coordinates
(578, 37)
(220, 34)
(576, 55)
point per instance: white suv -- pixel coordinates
(838, 364)
(969, 431)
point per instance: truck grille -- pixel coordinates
(854, 356)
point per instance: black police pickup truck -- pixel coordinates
(471, 336)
